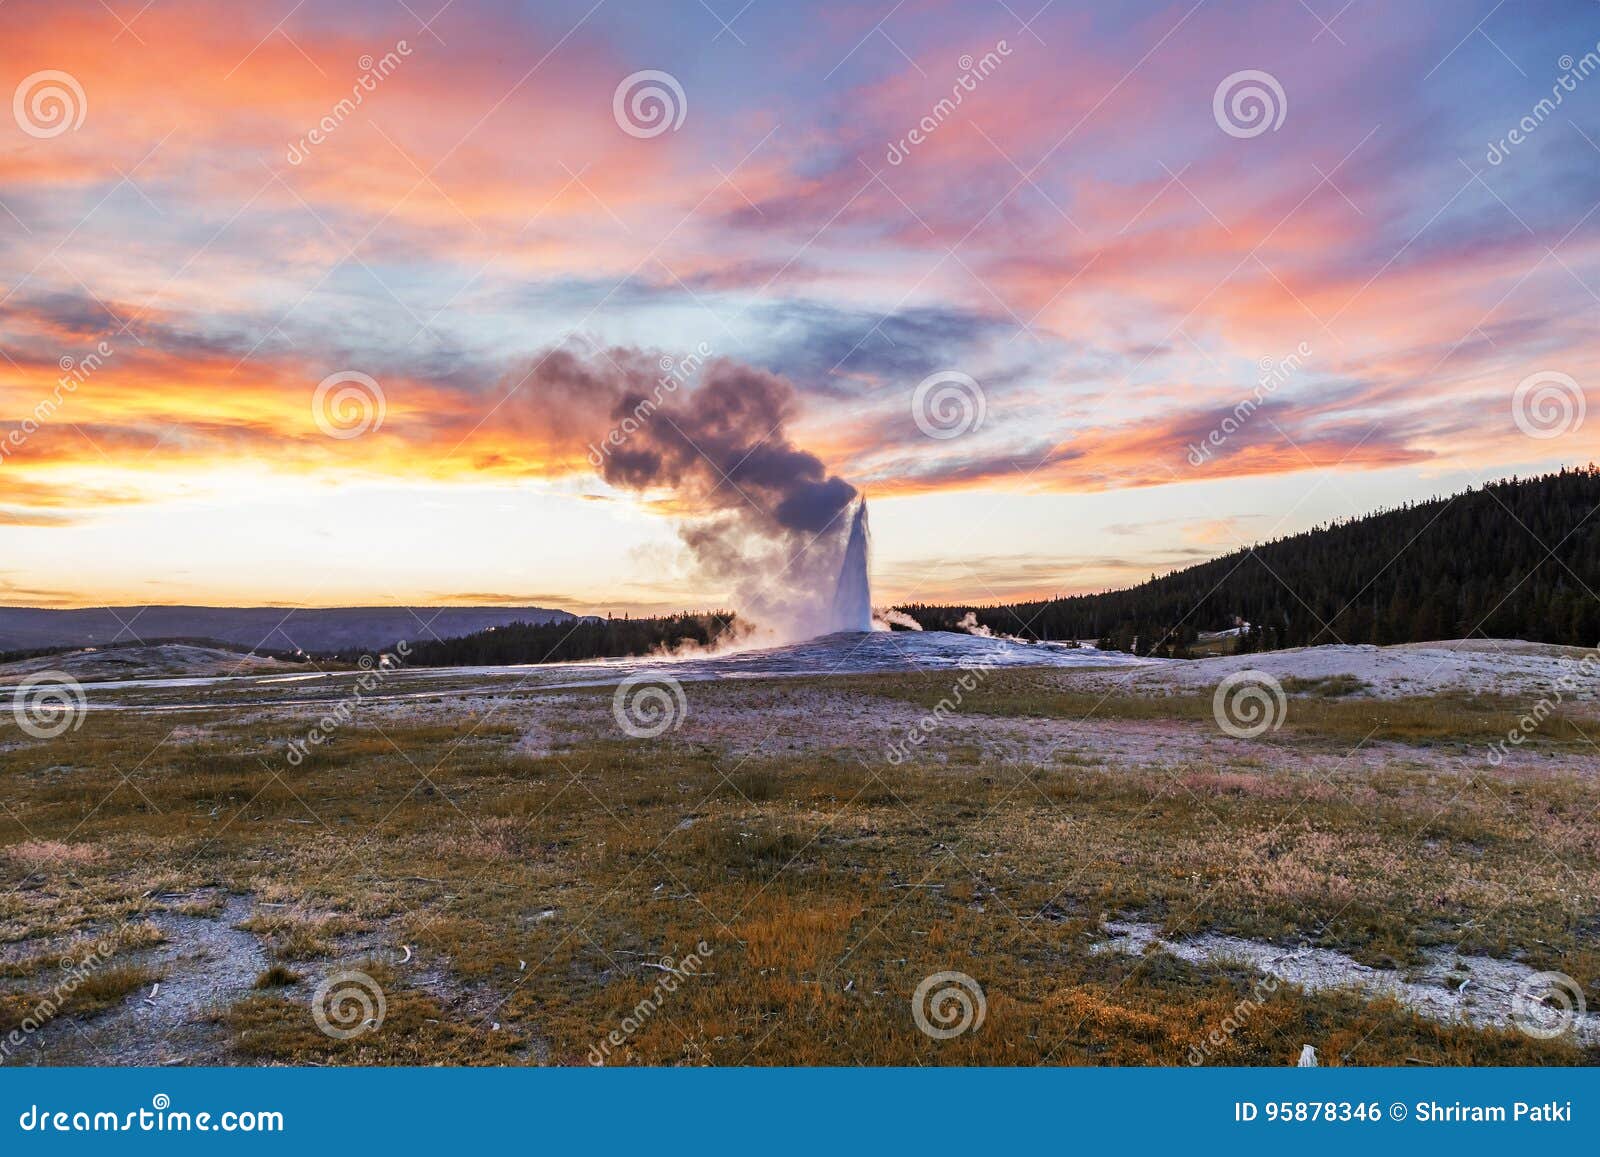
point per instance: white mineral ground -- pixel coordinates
(751, 703)
(1477, 990)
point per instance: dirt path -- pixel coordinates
(1478, 990)
(205, 964)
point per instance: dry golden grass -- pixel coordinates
(123, 938)
(1319, 709)
(53, 855)
(99, 989)
(533, 893)
(294, 935)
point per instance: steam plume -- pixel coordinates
(762, 517)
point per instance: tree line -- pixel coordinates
(589, 637)
(1515, 558)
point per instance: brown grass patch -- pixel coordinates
(53, 855)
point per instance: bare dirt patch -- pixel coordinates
(203, 967)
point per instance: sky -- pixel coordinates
(1076, 294)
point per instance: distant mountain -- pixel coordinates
(1519, 558)
(260, 628)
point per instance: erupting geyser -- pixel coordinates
(852, 594)
(762, 518)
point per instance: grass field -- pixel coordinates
(509, 873)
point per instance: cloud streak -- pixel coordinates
(1079, 236)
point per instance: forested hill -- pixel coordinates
(1518, 558)
(587, 638)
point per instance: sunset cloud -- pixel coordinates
(250, 206)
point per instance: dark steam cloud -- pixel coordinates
(724, 442)
(762, 515)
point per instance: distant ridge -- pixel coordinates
(317, 629)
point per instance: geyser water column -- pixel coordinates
(852, 594)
